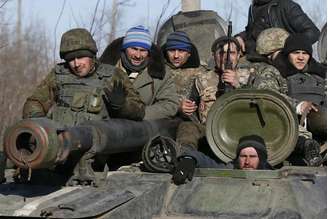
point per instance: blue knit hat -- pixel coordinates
(138, 36)
(178, 40)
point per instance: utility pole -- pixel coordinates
(190, 5)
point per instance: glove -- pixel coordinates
(116, 98)
(312, 153)
(184, 170)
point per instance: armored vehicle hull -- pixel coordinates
(291, 192)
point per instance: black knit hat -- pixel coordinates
(181, 40)
(297, 42)
(258, 144)
(178, 40)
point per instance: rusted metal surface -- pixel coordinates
(32, 143)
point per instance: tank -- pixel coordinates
(290, 192)
(39, 189)
(135, 191)
(252, 112)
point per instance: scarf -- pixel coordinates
(130, 67)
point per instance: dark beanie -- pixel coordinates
(258, 144)
(297, 42)
(178, 40)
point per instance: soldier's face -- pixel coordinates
(178, 57)
(137, 55)
(221, 56)
(299, 59)
(248, 159)
(81, 66)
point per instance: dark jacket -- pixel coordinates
(286, 69)
(285, 14)
(155, 86)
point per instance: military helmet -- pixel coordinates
(271, 40)
(77, 39)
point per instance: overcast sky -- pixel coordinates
(143, 11)
(78, 13)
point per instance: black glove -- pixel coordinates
(115, 98)
(184, 170)
(312, 153)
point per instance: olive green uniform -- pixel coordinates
(69, 99)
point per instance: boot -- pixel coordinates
(312, 153)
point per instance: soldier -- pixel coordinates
(306, 82)
(190, 133)
(73, 91)
(81, 89)
(251, 154)
(285, 14)
(142, 61)
(183, 63)
(269, 45)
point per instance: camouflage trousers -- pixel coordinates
(188, 135)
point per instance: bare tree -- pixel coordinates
(105, 21)
(161, 16)
(55, 30)
(20, 73)
(3, 3)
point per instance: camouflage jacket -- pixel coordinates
(85, 100)
(206, 85)
(184, 79)
(266, 76)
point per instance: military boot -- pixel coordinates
(312, 153)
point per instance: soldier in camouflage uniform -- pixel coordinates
(183, 63)
(265, 75)
(80, 90)
(74, 91)
(206, 86)
(190, 133)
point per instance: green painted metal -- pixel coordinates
(246, 112)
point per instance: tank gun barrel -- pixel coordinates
(32, 143)
(35, 143)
